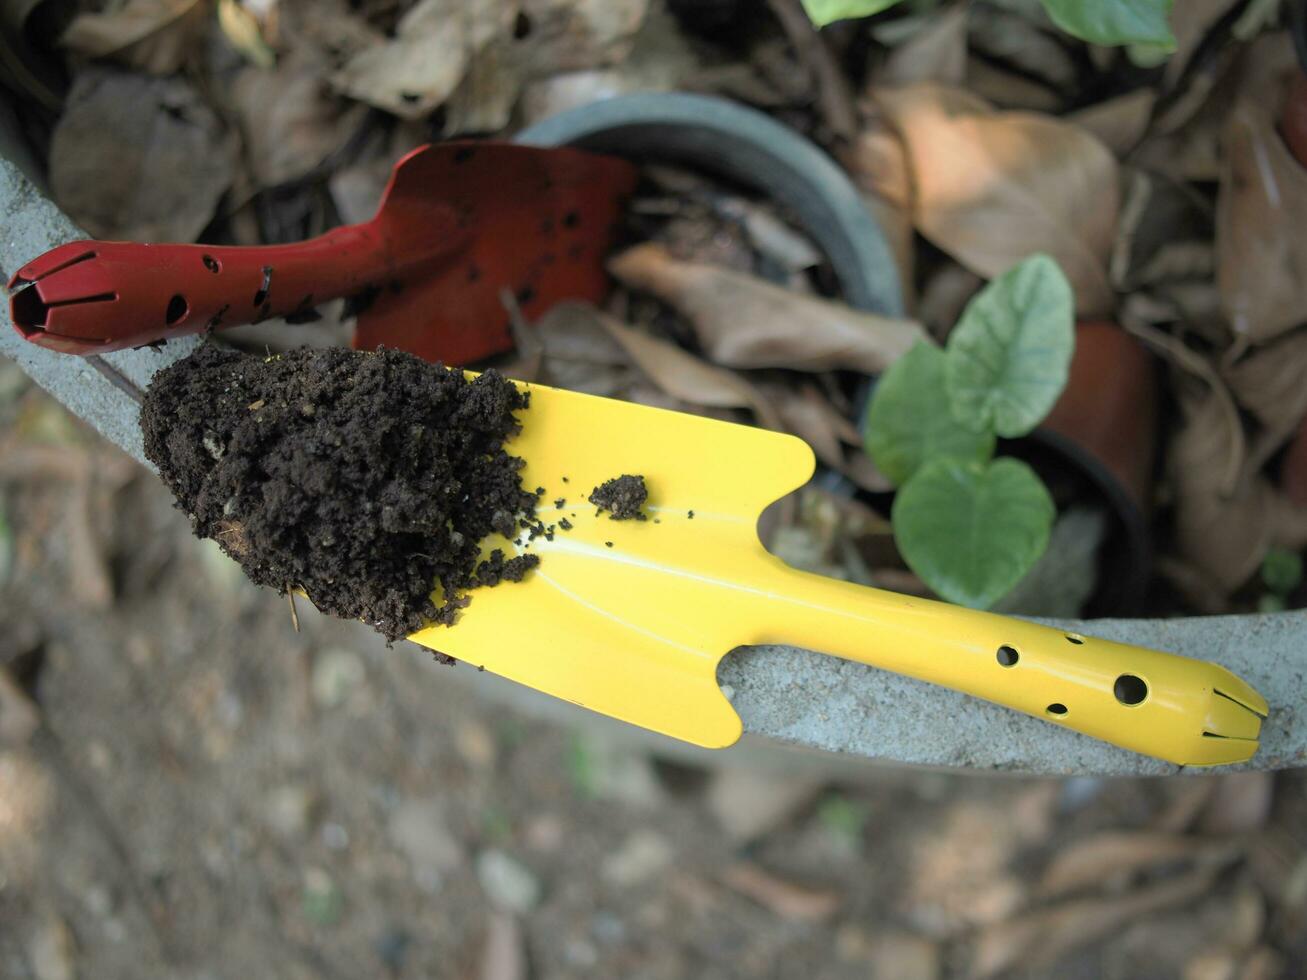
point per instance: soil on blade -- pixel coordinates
(361, 478)
(623, 497)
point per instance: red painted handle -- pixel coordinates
(90, 297)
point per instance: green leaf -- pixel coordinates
(1114, 21)
(909, 420)
(972, 530)
(1008, 357)
(823, 12)
(1282, 571)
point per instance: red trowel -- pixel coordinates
(459, 223)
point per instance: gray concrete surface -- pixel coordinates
(29, 225)
(785, 696)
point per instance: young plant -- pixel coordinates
(970, 525)
(1137, 22)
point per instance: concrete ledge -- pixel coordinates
(803, 699)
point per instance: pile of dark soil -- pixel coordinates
(623, 497)
(360, 478)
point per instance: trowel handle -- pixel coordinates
(1190, 712)
(90, 297)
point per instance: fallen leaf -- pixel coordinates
(1224, 534)
(1164, 235)
(290, 120)
(413, 73)
(19, 715)
(1036, 940)
(172, 157)
(1261, 209)
(504, 955)
(684, 376)
(1241, 803)
(1191, 21)
(567, 35)
(1003, 89)
(1223, 448)
(1188, 797)
(1268, 382)
(1009, 39)
(994, 187)
(786, 899)
(154, 36)
(1118, 123)
(936, 53)
(1104, 858)
(945, 296)
(745, 322)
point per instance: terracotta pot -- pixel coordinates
(1105, 425)
(1293, 118)
(1293, 471)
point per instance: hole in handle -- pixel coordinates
(1056, 709)
(1008, 656)
(1130, 689)
(177, 309)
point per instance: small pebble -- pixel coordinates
(337, 672)
(508, 884)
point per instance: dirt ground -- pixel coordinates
(190, 788)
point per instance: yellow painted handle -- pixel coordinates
(1189, 712)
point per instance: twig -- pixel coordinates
(294, 613)
(834, 97)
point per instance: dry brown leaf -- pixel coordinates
(1038, 939)
(1007, 90)
(413, 73)
(1241, 803)
(936, 53)
(1120, 123)
(1190, 23)
(1224, 534)
(89, 580)
(993, 187)
(785, 898)
(1269, 383)
(1261, 211)
(1164, 235)
(803, 412)
(569, 35)
(684, 376)
(945, 296)
(1188, 797)
(154, 36)
(139, 158)
(580, 355)
(1223, 447)
(19, 715)
(290, 120)
(745, 322)
(1007, 38)
(1102, 858)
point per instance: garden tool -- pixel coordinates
(459, 223)
(630, 618)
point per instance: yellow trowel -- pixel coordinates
(631, 618)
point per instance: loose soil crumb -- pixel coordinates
(622, 497)
(361, 478)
